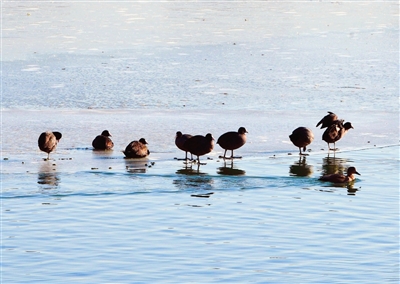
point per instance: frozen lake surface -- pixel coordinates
(151, 69)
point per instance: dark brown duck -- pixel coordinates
(103, 141)
(301, 137)
(335, 132)
(340, 178)
(199, 145)
(48, 141)
(137, 149)
(180, 140)
(232, 140)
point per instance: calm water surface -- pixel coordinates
(151, 69)
(260, 219)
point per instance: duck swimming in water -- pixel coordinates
(339, 178)
(103, 141)
(199, 145)
(137, 149)
(232, 140)
(180, 140)
(302, 137)
(335, 132)
(327, 120)
(48, 141)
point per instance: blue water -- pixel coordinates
(253, 221)
(150, 69)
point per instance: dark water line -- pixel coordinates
(75, 194)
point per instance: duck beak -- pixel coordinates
(357, 173)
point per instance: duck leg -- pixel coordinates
(330, 149)
(224, 156)
(198, 161)
(233, 157)
(186, 157)
(334, 147)
(301, 153)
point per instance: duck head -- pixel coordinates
(106, 133)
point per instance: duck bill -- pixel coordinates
(357, 173)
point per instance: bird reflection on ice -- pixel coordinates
(333, 165)
(136, 165)
(301, 168)
(189, 178)
(48, 177)
(228, 169)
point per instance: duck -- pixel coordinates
(232, 140)
(335, 132)
(48, 141)
(180, 140)
(340, 178)
(302, 137)
(137, 149)
(103, 141)
(200, 145)
(327, 120)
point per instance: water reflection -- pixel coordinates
(192, 178)
(230, 170)
(48, 177)
(136, 165)
(102, 153)
(351, 189)
(301, 168)
(333, 165)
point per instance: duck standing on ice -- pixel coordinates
(180, 140)
(302, 137)
(48, 141)
(232, 140)
(335, 132)
(199, 145)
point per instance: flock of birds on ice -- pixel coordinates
(200, 145)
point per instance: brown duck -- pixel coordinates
(103, 141)
(302, 137)
(180, 140)
(137, 149)
(335, 132)
(327, 120)
(339, 178)
(199, 145)
(48, 141)
(232, 140)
